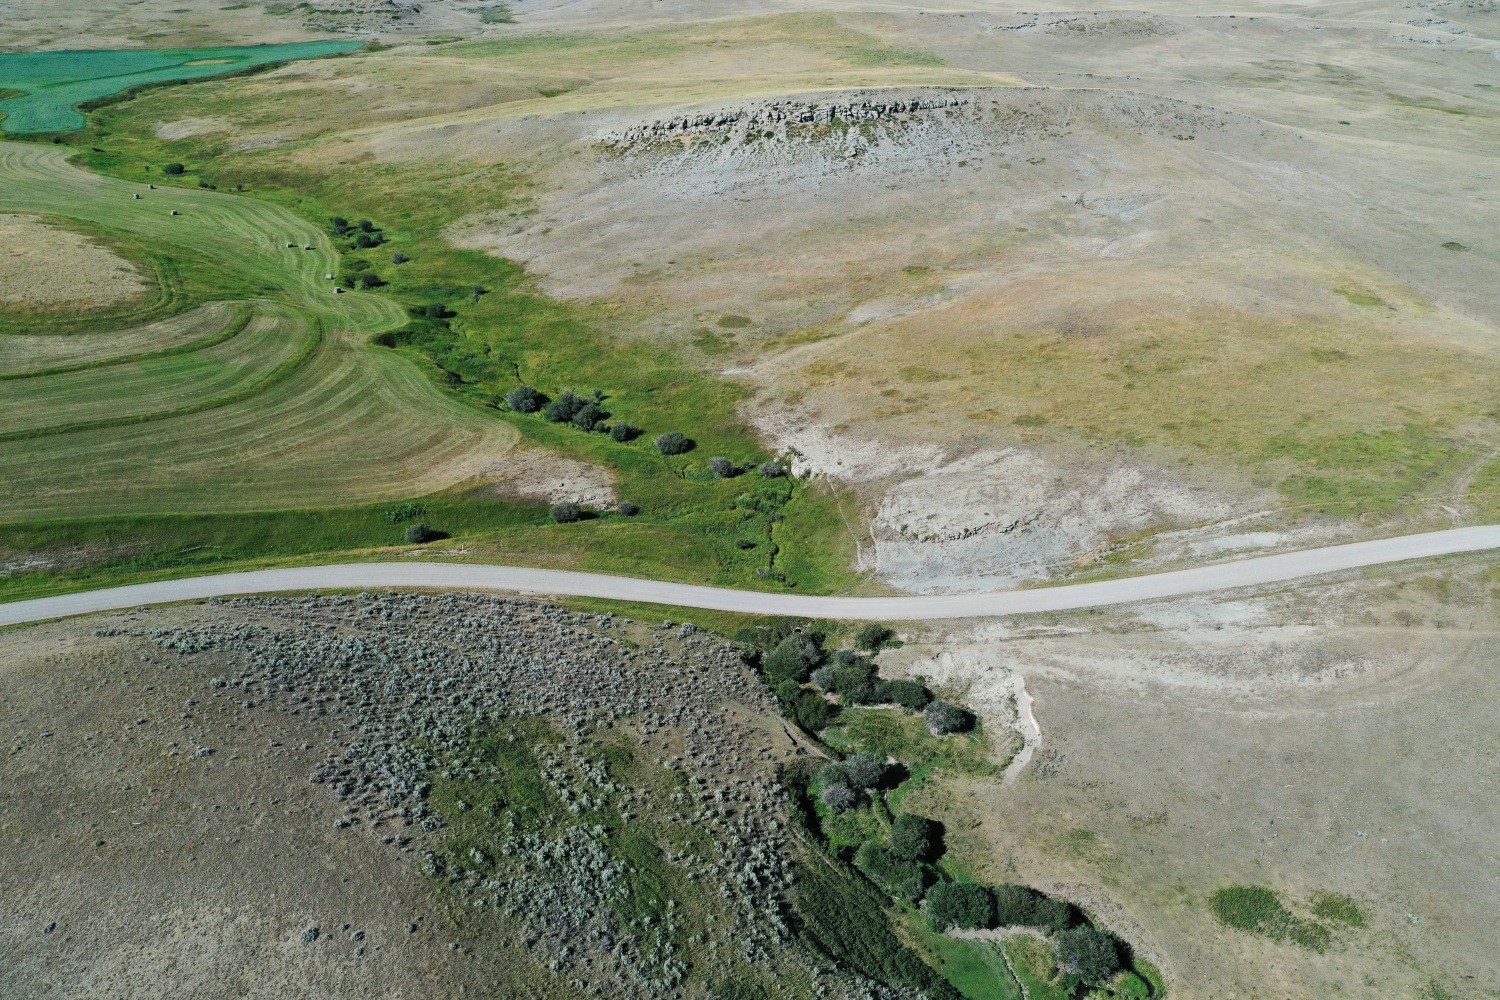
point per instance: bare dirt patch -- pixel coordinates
(44, 268)
(539, 475)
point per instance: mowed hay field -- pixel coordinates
(22, 355)
(294, 409)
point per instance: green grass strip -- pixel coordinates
(277, 374)
(234, 329)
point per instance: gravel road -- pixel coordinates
(519, 579)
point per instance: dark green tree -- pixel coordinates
(1091, 955)
(914, 838)
(960, 904)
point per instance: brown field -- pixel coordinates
(44, 268)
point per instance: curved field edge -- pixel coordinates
(303, 354)
(239, 321)
(800, 539)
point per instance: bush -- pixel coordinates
(1021, 906)
(792, 659)
(863, 770)
(823, 678)
(914, 838)
(566, 512)
(174, 169)
(399, 258)
(590, 417)
(899, 876)
(771, 470)
(723, 467)
(628, 509)
(838, 797)
(943, 718)
(366, 226)
(1088, 954)
(340, 225)
(873, 636)
(908, 694)
(524, 399)
(418, 533)
(812, 712)
(565, 407)
(830, 774)
(366, 241)
(960, 904)
(370, 280)
(673, 443)
(855, 684)
(623, 432)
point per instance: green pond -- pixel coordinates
(54, 83)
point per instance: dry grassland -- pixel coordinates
(1332, 740)
(45, 268)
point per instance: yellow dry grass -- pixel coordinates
(45, 268)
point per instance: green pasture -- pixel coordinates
(53, 84)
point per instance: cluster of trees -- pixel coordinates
(364, 233)
(903, 866)
(792, 660)
(587, 413)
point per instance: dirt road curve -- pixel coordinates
(519, 579)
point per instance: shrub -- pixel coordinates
(838, 797)
(589, 417)
(792, 658)
(628, 509)
(855, 684)
(174, 169)
(673, 443)
(339, 224)
(873, 636)
(366, 226)
(943, 718)
(823, 678)
(418, 533)
(723, 467)
(370, 280)
(1086, 953)
(566, 512)
(908, 694)
(365, 241)
(771, 470)
(900, 877)
(431, 310)
(399, 258)
(524, 399)
(813, 713)
(565, 407)
(913, 838)
(623, 432)
(830, 774)
(863, 770)
(1021, 906)
(960, 904)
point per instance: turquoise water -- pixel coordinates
(55, 82)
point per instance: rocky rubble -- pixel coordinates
(781, 116)
(409, 680)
